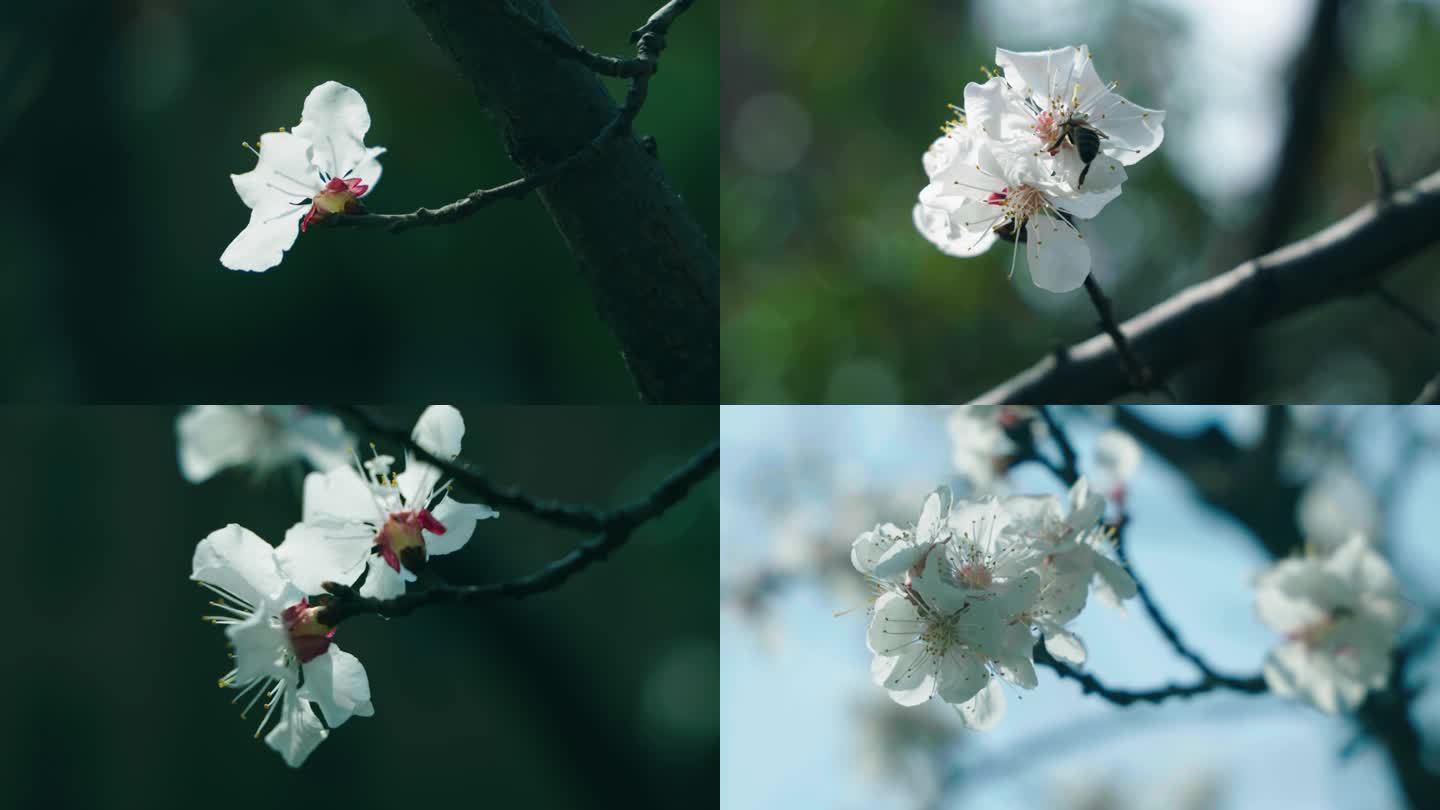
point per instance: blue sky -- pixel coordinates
(788, 733)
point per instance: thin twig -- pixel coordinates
(475, 482)
(1167, 630)
(1424, 322)
(1140, 376)
(650, 43)
(1089, 684)
(1070, 472)
(1430, 394)
(1380, 170)
(619, 525)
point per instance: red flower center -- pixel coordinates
(404, 531)
(308, 635)
(338, 196)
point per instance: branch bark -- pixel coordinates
(616, 528)
(654, 277)
(1348, 258)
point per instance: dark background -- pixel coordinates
(831, 295)
(601, 693)
(120, 123)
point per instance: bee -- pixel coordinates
(1084, 137)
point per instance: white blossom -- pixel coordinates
(980, 444)
(988, 191)
(950, 618)
(1071, 542)
(214, 437)
(1335, 505)
(1046, 94)
(320, 168)
(277, 636)
(1340, 613)
(367, 518)
(1117, 457)
(1012, 165)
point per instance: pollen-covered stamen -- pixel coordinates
(1017, 205)
(308, 635)
(1045, 127)
(402, 538)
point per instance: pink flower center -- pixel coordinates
(403, 533)
(308, 635)
(974, 575)
(338, 196)
(1045, 127)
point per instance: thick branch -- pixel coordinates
(617, 528)
(654, 277)
(1350, 257)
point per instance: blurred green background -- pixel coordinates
(120, 123)
(831, 295)
(603, 693)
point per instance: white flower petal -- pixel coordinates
(1086, 507)
(337, 683)
(335, 119)
(1039, 74)
(213, 437)
(339, 496)
(985, 709)
(283, 174)
(1065, 645)
(299, 732)
(237, 560)
(911, 680)
(869, 548)
(261, 645)
(963, 233)
(1118, 455)
(439, 430)
(961, 677)
(383, 582)
(1132, 131)
(264, 241)
(1288, 596)
(312, 555)
(894, 627)
(1088, 205)
(1117, 580)
(459, 521)
(1059, 258)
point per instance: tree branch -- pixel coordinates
(616, 528)
(1167, 630)
(654, 278)
(1140, 377)
(556, 513)
(639, 70)
(1348, 258)
(1089, 684)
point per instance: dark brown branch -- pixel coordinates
(617, 527)
(1140, 377)
(1091, 685)
(637, 246)
(1348, 258)
(638, 70)
(1411, 313)
(475, 482)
